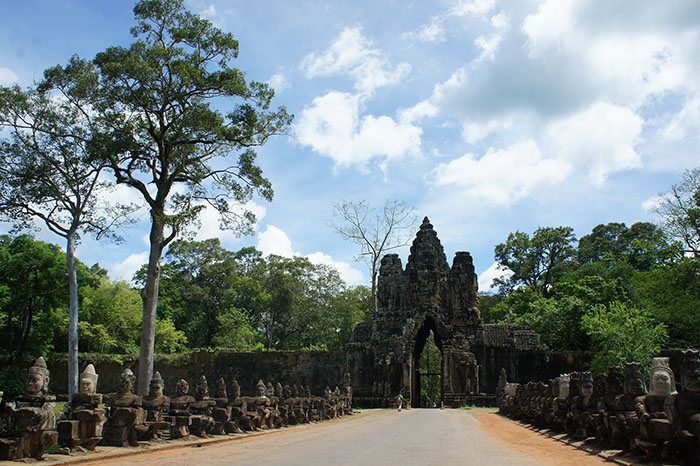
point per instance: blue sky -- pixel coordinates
(487, 116)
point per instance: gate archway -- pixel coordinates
(418, 372)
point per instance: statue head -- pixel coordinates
(690, 373)
(599, 387)
(554, 386)
(202, 391)
(236, 389)
(564, 384)
(287, 392)
(269, 390)
(295, 391)
(279, 391)
(661, 380)
(88, 380)
(182, 388)
(126, 382)
(221, 388)
(155, 388)
(586, 387)
(615, 381)
(260, 387)
(37, 378)
(634, 380)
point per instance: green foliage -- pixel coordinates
(430, 364)
(621, 332)
(110, 317)
(235, 332)
(537, 262)
(33, 294)
(168, 338)
(672, 295)
(489, 308)
(238, 300)
(12, 380)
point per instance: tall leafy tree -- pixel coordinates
(536, 262)
(642, 245)
(376, 231)
(47, 175)
(164, 137)
(33, 296)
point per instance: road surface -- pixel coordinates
(411, 437)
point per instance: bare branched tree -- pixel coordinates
(376, 231)
(680, 211)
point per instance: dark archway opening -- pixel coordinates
(427, 383)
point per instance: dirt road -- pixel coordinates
(413, 437)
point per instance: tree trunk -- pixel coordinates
(374, 289)
(150, 305)
(73, 366)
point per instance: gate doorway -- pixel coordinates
(427, 380)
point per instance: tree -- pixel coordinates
(680, 211)
(622, 333)
(162, 136)
(672, 295)
(375, 232)
(537, 262)
(47, 175)
(643, 245)
(31, 295)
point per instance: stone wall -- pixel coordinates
(316, 369)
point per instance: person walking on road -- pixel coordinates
(399, 398)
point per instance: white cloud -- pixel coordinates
(7, 76)
(501, 177)
(487, 276)
(275, 241)
(489, 45)
(125, 270)
(333, 127)
(351, 55)
(278, 82)
(651, 204)
(432, 31)
(472, 7)
(686, 122)
(347, 272)
(552, 20)
(211, 225)
(600, 140)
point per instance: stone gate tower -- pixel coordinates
(430, 295)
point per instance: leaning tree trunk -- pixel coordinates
(150, 305)
(73, 366)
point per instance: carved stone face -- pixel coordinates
(182, 387)
(125, 385)
(155, 389)
(35, 383)
(87, 387)
(635, 386)
(616, 383)
(586, 388)
(563, 389)
(691, 379)
(661, 383)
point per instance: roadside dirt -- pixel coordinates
(535, 445)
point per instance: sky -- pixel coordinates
(487, 116)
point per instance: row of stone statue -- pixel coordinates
(28, 427)
(616, 409)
